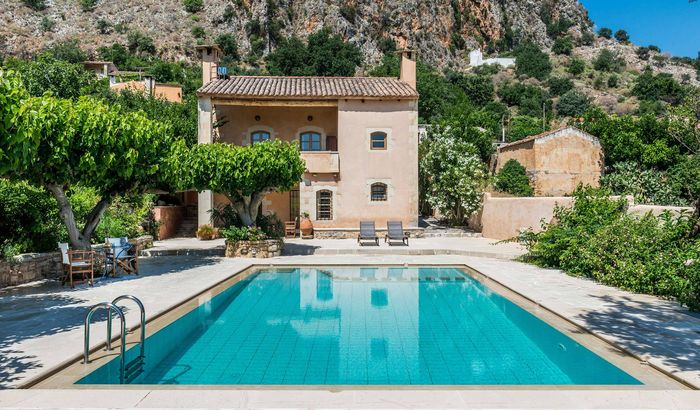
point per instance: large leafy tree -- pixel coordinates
(59, 144)
(243, 174)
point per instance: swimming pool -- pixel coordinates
(363, 326)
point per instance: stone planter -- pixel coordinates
(267, 248)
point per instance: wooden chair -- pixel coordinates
(367, 233)
(395, 233)
(77, 265)
(290, 229)
(121, 254)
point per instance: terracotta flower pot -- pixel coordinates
(306, 227)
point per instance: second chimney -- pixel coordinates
(210, 62)
(407, 73)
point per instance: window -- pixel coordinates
(259, 136)
(378, 192)
(310, 141)
(377, 140)
(324, 205)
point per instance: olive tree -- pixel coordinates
(243, 174)
(453, 173)
(59, 144)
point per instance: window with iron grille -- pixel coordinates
(378, 192)
(259, 136)
(324, 205)
(377, 140)
(310, 141)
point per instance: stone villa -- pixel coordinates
(358, 136)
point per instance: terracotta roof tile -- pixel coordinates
(308, 87)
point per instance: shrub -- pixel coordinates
(47, 24)
(529, 98)
(88, 5)
(573, 104)
(531, 61)
(622, 36)
(36, 5)
(207, 232)
(198, 32)
(244, 233)
(643, 53)
(609, 61)
(522, 126)
(104, 26)
(662, 87)
(605, 33)
(587, 38)
(138, 42)
(559, 85)
(193, 6)
(563, 45)
(229, 46)
(647, 186)
(271, 225)
(478, 88)
(512, 178)
(613, 81)
(126, 216)
(576, 66)
(348, 12)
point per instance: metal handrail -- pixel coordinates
(143, 320)
(110, 307)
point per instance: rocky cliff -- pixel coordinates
(442, 30)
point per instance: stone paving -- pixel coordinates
(41, 323)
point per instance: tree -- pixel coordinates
(47, 74)
(523, 126)
(453, 173)
(608, 60)
(531, 61)
(59, 144)
(229, 46)
(622, 36)
(140, 43)
(69, 51)
(605, 33)
(478, 88)
(512, 178)
(243, 174)
(573, 104)
(36, 5)
(661, 87)
(290, 58)
(559, 85)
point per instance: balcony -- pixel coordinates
(321, 162)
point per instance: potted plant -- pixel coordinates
(306, 226)
(207, 232)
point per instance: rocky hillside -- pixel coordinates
(442, 30)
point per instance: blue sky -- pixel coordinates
(673, 25)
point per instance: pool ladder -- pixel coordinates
(127, 371)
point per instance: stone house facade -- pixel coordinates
(358, 137)
(557, 161)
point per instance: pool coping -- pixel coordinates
(56, 379)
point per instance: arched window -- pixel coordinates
(324, 205)
(259, 136)
(377, 140)
(378, 192)
(310, 141)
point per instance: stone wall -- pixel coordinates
(254, 249)
(29, 267)
(351, 233)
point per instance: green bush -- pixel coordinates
(198, 32)
(478, 88)
(193, 6)
(47, 24)
(88, 5)
(576, 66)
(522, 126)
(229, 47)
(532, 62)
(622, 36)
(573, 104)
(661, 87)
(563, 45)
(37, 5)
(647, 186)
(512, 178)
(244, 233)
(559, 86)
(609, 61)
(528, 98)
(655, 257)
(140, 43)
(605, 33)
(613, 81)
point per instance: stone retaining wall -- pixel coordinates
(29, 267)
(254, 249)
(351, 233)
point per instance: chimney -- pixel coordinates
(210, 62)
(408, 67)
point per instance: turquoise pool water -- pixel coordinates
(363, 326)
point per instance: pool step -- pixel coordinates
(133, 369)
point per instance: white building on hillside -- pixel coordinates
(476, 59)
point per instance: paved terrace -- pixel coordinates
(41, 327)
